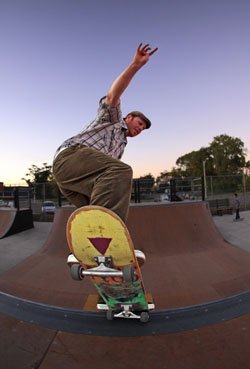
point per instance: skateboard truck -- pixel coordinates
(128, 314)
(106, 260)
(104, 269)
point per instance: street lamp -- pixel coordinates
(204, 175)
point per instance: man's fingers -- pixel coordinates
(139, 47)
(145, 49)
(152, 52)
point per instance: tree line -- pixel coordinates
(225, 155)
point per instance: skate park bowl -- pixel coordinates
(199, 282)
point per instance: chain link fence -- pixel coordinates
(174, 189)
(218, 187)
(209, 188)
(15, 197)
(143, 190)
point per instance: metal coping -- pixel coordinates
(96, 324)
(166, 204)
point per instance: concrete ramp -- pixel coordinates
(188, 263)
(44, 277)
(173, 229)
(13, 221)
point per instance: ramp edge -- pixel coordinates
(95, 323)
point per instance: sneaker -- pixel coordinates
(141, 258)
(72, 260)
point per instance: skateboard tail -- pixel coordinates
(123, 294)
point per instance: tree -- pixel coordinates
(225, 155)
(147, 182)
(162, 181)
(191, 164)
(39, 175)
(42, 181)
(228, 155)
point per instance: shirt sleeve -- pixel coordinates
(108, 114)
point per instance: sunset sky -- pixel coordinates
(59, 57)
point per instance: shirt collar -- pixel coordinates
(124, 125)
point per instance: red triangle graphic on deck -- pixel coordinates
(101, 244)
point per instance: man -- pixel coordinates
(87, 167)
(237, 207)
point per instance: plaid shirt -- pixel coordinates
(106, 133)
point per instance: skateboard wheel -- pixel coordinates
(129, 273)
(144, 317)
(110, 315)
(75, 272)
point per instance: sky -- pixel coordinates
(59, 57)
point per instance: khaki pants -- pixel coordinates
(89, 177)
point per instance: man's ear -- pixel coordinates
(128, 117)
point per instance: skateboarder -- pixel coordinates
(237, 207)
(87, 167)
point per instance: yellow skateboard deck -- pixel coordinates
(100, 241)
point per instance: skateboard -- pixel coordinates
(101, 243)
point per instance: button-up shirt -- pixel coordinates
(106, 133)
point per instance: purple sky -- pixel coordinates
(59, 57)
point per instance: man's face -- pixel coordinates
(135, 125)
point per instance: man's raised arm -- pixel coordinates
(121, 83)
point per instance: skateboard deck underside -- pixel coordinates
(118, 294)
(95, 231)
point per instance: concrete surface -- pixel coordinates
(15, 248)
(235, 232)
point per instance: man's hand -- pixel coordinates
(142, 55)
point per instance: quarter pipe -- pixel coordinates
(13, 221)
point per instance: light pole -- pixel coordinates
(204, 175)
